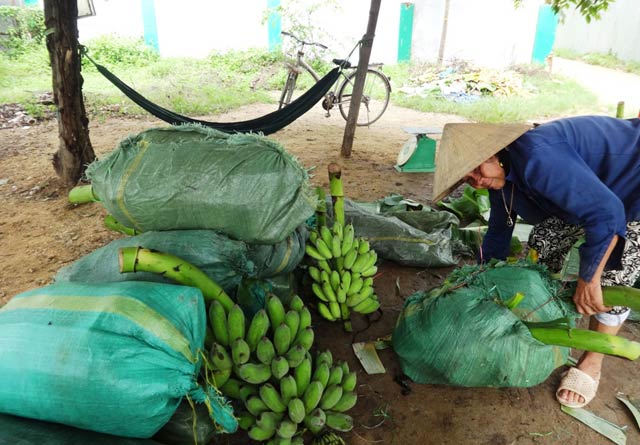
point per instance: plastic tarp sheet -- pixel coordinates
(463, 333)
(405, 232)
(114, 358)
(224, 260)
(190, 177)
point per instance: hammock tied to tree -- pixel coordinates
(267, 124)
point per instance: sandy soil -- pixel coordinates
(40, 232)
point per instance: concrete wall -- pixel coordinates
(617, 32)
(489, 32)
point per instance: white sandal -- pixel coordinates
(579, 383)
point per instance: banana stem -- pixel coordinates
(82, 194)
(111, 223)
(586, 340)
(337, 192)
(321, 210)
(346, 317)
(621, 296)
(139, 259)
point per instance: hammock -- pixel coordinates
(267, 124)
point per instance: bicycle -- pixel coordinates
(375, 95)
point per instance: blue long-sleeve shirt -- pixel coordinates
(584, 170)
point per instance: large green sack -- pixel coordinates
(190, 177)
(115, 358)
(224, 260)
(463, 333)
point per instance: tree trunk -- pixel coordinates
(443, 35)
(75, 151)
(358, 85)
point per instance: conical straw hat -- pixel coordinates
(465, 146)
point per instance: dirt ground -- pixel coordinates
(40, 233)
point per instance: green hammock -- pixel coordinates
(267, 124)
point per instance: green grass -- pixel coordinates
(223, 82)
(607, 60)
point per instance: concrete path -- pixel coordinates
(611, 86)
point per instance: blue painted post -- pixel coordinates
(545, 34)
(31, 2)
(275, 24)
(149, 24)
(405, 33)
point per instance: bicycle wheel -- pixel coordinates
(375, 97)
(287, 91)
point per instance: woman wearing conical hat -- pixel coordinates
(571, 178)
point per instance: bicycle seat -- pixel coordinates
(342, 63)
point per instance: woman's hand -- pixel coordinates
(588, 297)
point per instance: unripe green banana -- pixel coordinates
(334, 279)
(268, 420)
(312, 395)
(254, 373)
(292, 319)
(246, 420)
(321, 374)
(282, 338)
(341, 295)
(275, 310)
(271, 397)
(370, 271)
(314, 272)
(345, 280)
(260, 434)
(345, 367)
(323, 249)
(240, 351)
(356, 286)
(305, 319)
(295, 355)
(279, 367)
(325, 357)
(326, 235)
(286, 429)
(296, 410)
(330, 294)
(349, 381)
(368, 281)
(360, 262)
(331, 396)
(302, 375)
(350, 258)
(305, 338)
(335, 376)
(338, 230)
(339, 421)
(355, 299)
(346, 402)
(231, 388)
(235, 323)
(265, 351)
(334, 307)
(220, 377)
(315, 420)
(347, 239)
(313, 236)
(339, 263)
(324, 265)
(220, 358)
(296, 302)
(336, 244)
(247, 390)
(367, 306)
(255, 405)
(325, 312)
(313, 252)
(257, 329)
(363, 246)
(218, 323)
(288, 388)
(318, 292)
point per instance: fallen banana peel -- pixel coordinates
(611, 431)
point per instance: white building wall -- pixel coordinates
(488, 32)
(618, 31)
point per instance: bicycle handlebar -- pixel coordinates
(288, 34)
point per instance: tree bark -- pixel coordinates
(443, 34)
(361, 74)
(75, 151)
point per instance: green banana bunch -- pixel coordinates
(344, 272)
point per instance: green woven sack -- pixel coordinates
(190, 177)
(464, 334)
(114, 358)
